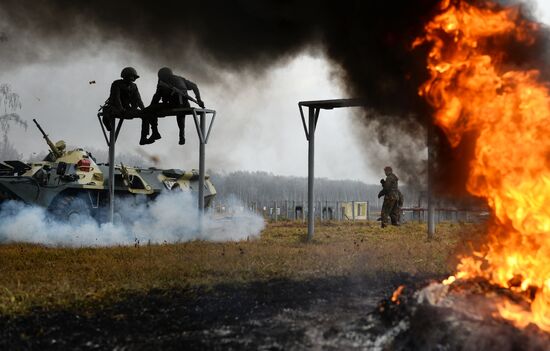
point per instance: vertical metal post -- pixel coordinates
(276, 214)
(353, 210)
(368, 212)
(311, 175)
(318, 212)
(112, 142)
(286, 209)
(202, 152)
(431, 213)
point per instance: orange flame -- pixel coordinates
(397, 293)
(473, 91)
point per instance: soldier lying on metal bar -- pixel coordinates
(124, 97)
(172, 90)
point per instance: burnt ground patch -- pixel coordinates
(461, 316)
(328, 313)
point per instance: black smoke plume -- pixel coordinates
(368, 41)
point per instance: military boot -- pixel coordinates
(144, 140)
(182, 138)
(155, 135)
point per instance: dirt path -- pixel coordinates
(275, 315)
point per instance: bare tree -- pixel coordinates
(10, 103)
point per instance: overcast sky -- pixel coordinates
(257, 127)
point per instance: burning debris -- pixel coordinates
(461, 316)
(475, 89)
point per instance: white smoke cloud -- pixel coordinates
(173, 217)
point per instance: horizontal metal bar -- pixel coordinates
(163, 112)
(335, 103)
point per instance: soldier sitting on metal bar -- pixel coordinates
(124, 97)
(172, 90)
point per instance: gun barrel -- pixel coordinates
(52, 146)
(39, 128)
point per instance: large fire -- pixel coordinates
(473, 91)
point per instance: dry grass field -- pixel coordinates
(48, 277)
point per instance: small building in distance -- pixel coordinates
(357, 210)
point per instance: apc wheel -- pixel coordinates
(71, 209)
(117, 217)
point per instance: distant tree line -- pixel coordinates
(264, 187)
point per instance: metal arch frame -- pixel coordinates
(310, 127)
(313, 118)
(117, 131)
(199, 117)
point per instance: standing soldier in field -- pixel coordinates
(392, 198)
(172, 90)
(124, 97)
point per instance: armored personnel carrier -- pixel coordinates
(69, 183)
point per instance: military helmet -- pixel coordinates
(164, 73)
(60, 145)
(129, 72)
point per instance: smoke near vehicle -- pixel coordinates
(171, 218)
(63, 200)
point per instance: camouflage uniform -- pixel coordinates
(170, 97)
(124, 97)
(390, 207)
